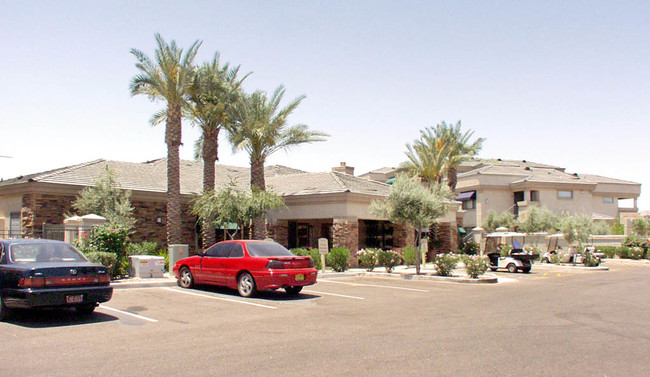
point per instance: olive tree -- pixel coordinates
(411, 204)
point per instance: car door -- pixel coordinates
(212, 264)
(232, 264)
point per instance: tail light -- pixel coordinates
(32, 282)
(274, 264)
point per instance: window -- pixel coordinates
(220, 250)
(534, 196)
(607, 200)
(469, 204)
(565, 194)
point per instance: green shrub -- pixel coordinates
(589, 259)
(143, 248)
(388, 259)
(337, 258)
(505, 250)
(108, 260)
(636, 253)
(623, 252)
(314, 254)
(470, 248)
(408, 255)
(475, 265)
(609, 251)
(368, 258)
(445, 263)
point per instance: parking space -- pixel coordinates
(363, 323)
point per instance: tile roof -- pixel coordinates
(152, 176)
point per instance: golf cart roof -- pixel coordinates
(556, 235)
(505, 234)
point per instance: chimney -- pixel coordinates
(349, 170)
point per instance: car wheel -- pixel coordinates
(293, 291)
(185, 278)
(4, 311)
(246, 285)
(86, 309)
(512, 268)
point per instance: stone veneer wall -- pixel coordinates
(43, 208)
(279, 232)
(346, 235)
(50, 208)
(448, 237)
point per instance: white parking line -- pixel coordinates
(373, 285)
(127, 313)
(334, 294)
(218, 298)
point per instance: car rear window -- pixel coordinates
(267, 249)
(44, 252)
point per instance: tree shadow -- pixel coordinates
(59, 317)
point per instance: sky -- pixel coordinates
(556, 82)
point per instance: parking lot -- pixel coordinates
(549, 322)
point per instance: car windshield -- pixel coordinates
(44, 252)
(267, 249)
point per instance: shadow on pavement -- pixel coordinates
(46, 318)
(278, 295)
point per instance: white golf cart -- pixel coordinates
(554, 251)
(517, 259)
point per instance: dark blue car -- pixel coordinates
(46, 274)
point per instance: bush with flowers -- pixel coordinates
(445, 263)
(367, 258)
(475, 265)
(388, 259)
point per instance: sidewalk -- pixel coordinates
(428, 272)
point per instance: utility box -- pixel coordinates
(176, 252)
(146, 266)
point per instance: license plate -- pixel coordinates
(74, 299)
(300, 277)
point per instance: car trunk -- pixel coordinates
(50, 276)
(293, 262)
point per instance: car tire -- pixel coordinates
(85, 309)
(4, 311)
(293, 291)
(185, 278)
(246, 285)
(512, 268)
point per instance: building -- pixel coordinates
(333, 204)
(514, 186)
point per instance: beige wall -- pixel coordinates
(9, 204)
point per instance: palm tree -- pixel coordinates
(260, 128)
(460, 148)
(427, 158)
(168, 79)
(215, 90)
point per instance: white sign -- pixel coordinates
(323, 246)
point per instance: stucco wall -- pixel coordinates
(9, 204)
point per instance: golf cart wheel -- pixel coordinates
(512, 268)
(545, 260)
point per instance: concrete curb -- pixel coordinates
(141, 283)
(412, 276)
(581, 268)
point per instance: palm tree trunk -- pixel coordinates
(452, 179)
(173, 140)
(258, 183)
(210, 144)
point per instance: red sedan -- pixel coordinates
(247, 266)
